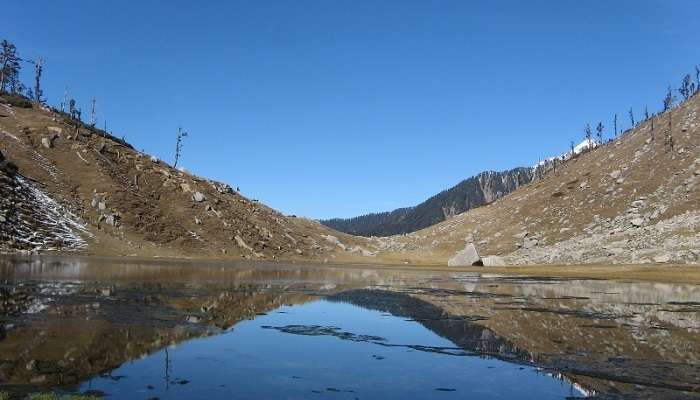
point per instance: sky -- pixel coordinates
(339, 108)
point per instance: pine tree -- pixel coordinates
(646, 113)
(615, 123)
(9, 64)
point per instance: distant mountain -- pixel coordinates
(472, 192)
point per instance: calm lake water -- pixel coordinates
(145, 330)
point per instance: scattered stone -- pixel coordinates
(615, 174)
(493, 261)
(46, 142)
(529, 243)
(198, 197)
(662, 258)
(242, 244)
(637, 222)
(521, 235)
(112, 219)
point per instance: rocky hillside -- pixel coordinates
(470, 193)
(67, 186)
(634, 199)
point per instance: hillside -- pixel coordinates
(470, 193)
(632, 200)
(66, 186)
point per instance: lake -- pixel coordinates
(147, 329)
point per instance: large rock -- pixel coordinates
(662, 258)
(466, 257)
(47, 142)
(637, 222)
(198, 197)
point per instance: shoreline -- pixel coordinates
(659, 273)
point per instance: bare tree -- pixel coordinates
(669, 99)
(599, 132)
(93, 111)
(38, 69)
(64, 103)
(685, 89)
(178, 145)
(589, 134)
(9, 63)
(631, 113)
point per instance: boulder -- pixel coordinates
(54, 130)
(662, 258)
(493, 261)
(637, 222)
(465, 257)
(521, 235)
(530, 243)
(241, 243)
(46, 142)
(198, 197)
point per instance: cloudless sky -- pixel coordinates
(338, 108)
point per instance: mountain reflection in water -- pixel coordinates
(74, 324)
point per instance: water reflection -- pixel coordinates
(66, 320)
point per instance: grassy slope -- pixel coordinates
(579, 198)
(158, 216)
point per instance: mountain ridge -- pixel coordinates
(474, 191)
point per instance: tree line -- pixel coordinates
(688, 87)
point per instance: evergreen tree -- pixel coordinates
(9, 64)
(615, 124)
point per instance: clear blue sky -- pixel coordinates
(338, 108)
